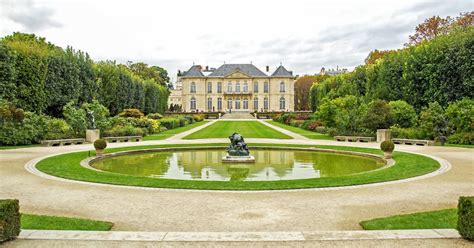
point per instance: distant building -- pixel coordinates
(175, 96)
(332, 72)
(236, 87)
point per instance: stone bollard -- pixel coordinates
(383, 135)
(92, 135)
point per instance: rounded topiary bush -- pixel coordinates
(100, 144)
(387, 146)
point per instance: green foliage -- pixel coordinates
(155, 116)
(403, 114)
(461, 115)
(58, 129)
(170, 122)
(387, 146)
(378, 115)
(466, 217)
(126, 130)
(433, 121)
(133, 113)
(45, 222)
(9, 219)
(462, 138)
(100, 112)
(407, 133)
(76, 118)
(100, 144)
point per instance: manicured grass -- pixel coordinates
(248, 129)
(446, 218)
(407, 165)
(458, 145)
(168, 133)
(45, 222)
(306, 133)
(16, 147)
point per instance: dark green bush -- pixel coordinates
(154, 116)
(466, 217)
(58, 129)
(9, 219)
(100, 144)
(198, 117)
(170, 122)
(20, 128)
(127, 130)
(461, 138)
(387, 146)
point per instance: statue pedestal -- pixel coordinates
(238, 159)
(383, 135)
(92, 135)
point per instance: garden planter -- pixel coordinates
(99, 152)
(387, 155)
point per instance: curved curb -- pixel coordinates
(445, 166)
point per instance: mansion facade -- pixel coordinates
(236, 87)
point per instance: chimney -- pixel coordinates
(207, 68)
(267, 68)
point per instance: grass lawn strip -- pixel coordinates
(306, 133)
(168, 133)
(407, 165)
(248, 129)
(45, 222)
(440, 219)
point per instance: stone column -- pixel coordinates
(383, 134)
(92, 135)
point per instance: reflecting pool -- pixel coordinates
(206, 164)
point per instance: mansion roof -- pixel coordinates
(227, 69)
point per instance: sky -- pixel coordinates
(302, 35)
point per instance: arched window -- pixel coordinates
(229, 87)
(246, 87)
(219, 87)
(255, 87)
(193, 87)
(237, 87)
(229, 103)
(246, 103)
(255, 103)
(219, 104)
(237, 103)
(282, 103)
(209, 87)
(265, 103)
(193, 103)
(265, 87)
(282, 87)
(209, 104)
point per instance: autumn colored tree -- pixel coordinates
(375, 55)
(302, 90)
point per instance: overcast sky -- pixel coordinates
(303, 35)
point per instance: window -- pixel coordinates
(219, 87)
(246, 103)
(237, 87)
(229, 103)
(282, 103)
(209, 104)
(255, 103)
(237, 103)
(265, 87)
(282, 87)
(193, 103)
(246, 87)
(255, 87)
(229, 88)
(265, 103)
(193, 87)
(209, 87)
(219, 104)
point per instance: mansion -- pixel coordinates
(235, 87)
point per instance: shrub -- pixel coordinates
(404, 114)
(387, 146)
(198, 117)
(466, 217)
(147, 124)
(378, 115)
(190, 119)
(461, 115)
(154, 116)
(407, 133)
(76, 118)
(462, 138)
(58, 129)
(101, 114)
(28, 129)
(169, 122)
(183, 121)
(296, 123)
(127, 130)
(9, 219)
(313, 124)
(433, 122)
(100, 144)
(131, 112)
(322, 130)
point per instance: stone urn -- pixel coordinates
(100, 146)
(387, 147)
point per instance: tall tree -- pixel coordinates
(302, 90)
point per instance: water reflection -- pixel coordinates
(207, 165)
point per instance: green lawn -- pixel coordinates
(16, 147)
(459, 145)
(168, 133)
(446, 218)
(248, 129)
(306, 133)
(407, 165)
(44, 222)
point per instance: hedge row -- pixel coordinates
(466, 217)
(9, 219)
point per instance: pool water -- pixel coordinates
(270, 165)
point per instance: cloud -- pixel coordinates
(31, 16)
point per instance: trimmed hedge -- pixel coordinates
(9, 219)
(466, 217)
